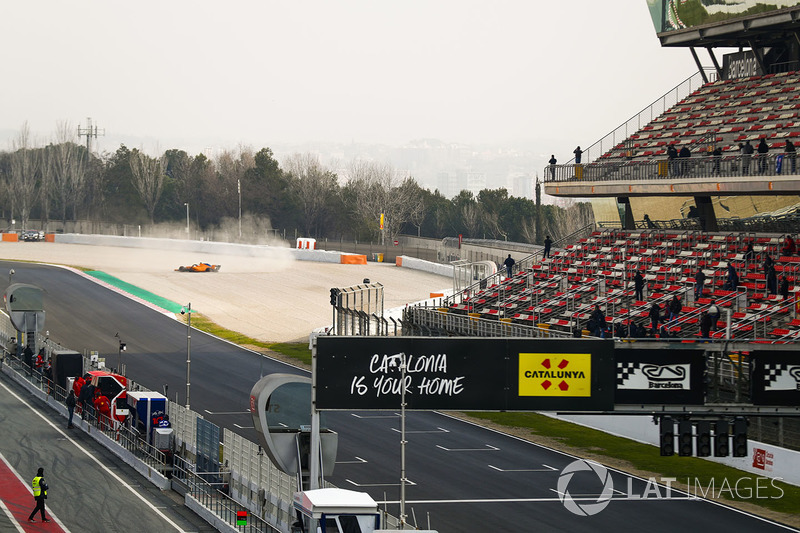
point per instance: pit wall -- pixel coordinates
(785, 464)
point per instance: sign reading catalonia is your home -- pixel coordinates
(489, 374)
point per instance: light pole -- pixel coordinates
(188, 311)
(239, 188)
(187, 219)
(399, 359)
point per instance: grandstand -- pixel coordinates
(554, 297)
(706, 210)
(753, 95)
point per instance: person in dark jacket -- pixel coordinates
(509, 263)
(684, 155)
(27, 356)
(674, 308)
(699, 279)
(638, 286)
(578, 153)
(716, 154)
(70, 402)
(655, 317)
(598, 319)
(672, 155)
(791, 154)
(705, 325)
(733, 278)
(86, 398)
(783, 287)
(553, 162)
(772, 280)
(548, 242)
(762, 149)
(747, 154)
(40, 495)
(750, 253)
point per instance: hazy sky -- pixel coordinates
(192, 74)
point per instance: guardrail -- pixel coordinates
(435, 320)
(672, 169)
(211, 496)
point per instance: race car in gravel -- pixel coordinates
(199, 267)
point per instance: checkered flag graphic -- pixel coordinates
(624, 370)
(772, 370)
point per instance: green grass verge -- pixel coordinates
(699, 472)
(293, 350)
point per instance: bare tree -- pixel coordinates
(66, 171)
(378, 191)
(25, 163)
(148, 179)
(231, 167)
(313, 185)
(562, 222)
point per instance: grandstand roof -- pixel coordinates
(761, 30)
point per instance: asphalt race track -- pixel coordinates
(462, 477)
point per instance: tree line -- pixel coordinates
(63, 181)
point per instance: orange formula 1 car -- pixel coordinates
(199, 267)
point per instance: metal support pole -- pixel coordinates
(314, 459)
(187, 219)
(403, 515)
(188, 349)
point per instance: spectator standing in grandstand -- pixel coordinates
(749, 253)
(699, 280)
(672, 155)
(705, 325)
(684, 155)
(772, 280)
(650, 224)
(790, 154)
(733, 278)
(783, 288)
(578, 153)
(674, 308)
(747, 154)
(768, 262)
(713, 313)
(789, 247)
(655, 317)
(548, 242)
(598, 321)
(553, 162)
(763, 150)
(716, 154)
(638, 286)
(509, 263)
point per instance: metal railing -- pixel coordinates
(211, 495)
(666, 169)
(645, 116)
(430, 321)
